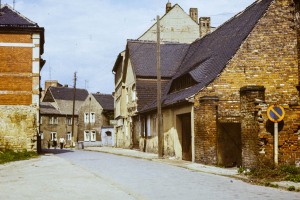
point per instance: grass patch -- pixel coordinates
(266, 172)
(10, 156)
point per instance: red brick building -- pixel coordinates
(21, 47)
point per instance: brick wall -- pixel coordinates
(206, 131)
(269, 58)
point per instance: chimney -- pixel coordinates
(66, 85)
(194, 14)
(168, 7)
(204, 26)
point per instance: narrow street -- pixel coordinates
(93, 175)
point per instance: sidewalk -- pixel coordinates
(233, 172)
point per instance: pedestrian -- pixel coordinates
(61, 142)
(49, 143)
(55, 143)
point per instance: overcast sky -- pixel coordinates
(87, 36)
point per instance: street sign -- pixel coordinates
(275, 113)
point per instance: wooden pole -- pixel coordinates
(73, 112)
(159, 116)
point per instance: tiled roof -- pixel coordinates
(105, 100)
(143, 58)
(66, 93)
(48, 108)
(12, 18)
(207, 57)
(147, 92)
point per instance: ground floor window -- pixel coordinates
(90, 136)
(53, 136)
(86, 136)
(93, 136)
(69, 136)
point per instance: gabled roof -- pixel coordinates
(66, 93)
(165, 15)
(207, 57)
(105, 100)
(143, 57)
(11, 18)
(48, 108)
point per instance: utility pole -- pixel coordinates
(159, 116)
(73, 112)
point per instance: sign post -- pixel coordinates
(275, 114)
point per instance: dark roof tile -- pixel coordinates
(105, 100)
(143, 58)
(12, 18)
(66, 93)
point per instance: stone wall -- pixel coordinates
(18, 128)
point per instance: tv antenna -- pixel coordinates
(14, 3)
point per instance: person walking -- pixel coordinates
(55, 143)
(61, 142)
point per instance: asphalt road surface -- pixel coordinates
(94, 175)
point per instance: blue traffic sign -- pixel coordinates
(275, 113)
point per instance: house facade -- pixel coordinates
(177, 27)
(215, 104)
(21, 47)
(95, 114)
(57, 115)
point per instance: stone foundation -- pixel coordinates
(18, 128)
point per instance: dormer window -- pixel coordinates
(182, 82)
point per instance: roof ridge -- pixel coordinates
(19, 14)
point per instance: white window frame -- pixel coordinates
(69, 136)
(148, 125)
(53, 120)
(93, 135)
(53, 135)
(86, 118)
(42, 135)
(41, 120)
(69, 121)
(92, 117)
(86, 136)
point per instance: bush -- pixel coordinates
(10, 155)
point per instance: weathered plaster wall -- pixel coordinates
(176, 26)
(18, 129)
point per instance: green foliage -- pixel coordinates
(10, 156)
(291, 188)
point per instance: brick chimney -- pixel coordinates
(194, 14)
(168, 7)
(204, 26)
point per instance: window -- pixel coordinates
(53, 135)
(86, 118)
(92, 117)
(86, 136)
(108, 133)
(133, 93)
(69, 136)
(148, 125)
(127, 98)
(41, 120)
(182, 82)
(53, 120)
(93, 136)
(69, 121)
(42, 135)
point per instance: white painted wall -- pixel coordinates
(176, 26)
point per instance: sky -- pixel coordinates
(86, 36)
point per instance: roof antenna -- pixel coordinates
(14, 3)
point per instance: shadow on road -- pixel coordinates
(56, 151)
